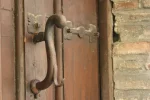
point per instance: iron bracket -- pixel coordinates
(34, 23)
(80, 31)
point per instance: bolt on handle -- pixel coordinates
(51, 76)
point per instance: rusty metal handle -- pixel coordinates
(51, 76)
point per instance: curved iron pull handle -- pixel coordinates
(36, 86)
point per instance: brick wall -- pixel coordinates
(131, 53)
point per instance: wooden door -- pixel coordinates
(77, 50)
(80, 56)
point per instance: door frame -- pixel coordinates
(19, 49)
(105, 41)
(105, 28)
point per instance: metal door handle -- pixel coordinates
(51, 76)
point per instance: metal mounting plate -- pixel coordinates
(34, 23)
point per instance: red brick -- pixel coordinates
(128, 81)
(132, 16)
(126, 5)
(146, 3)
(131, 48)
(129, 33)
(132, 95)
(130, 63)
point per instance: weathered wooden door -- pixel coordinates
(77, 50)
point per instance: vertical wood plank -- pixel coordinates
(81, 58)
(35, 54)
(7, 50)
(8, 77)
(1, 95)
(0, 64)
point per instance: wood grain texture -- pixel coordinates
(35, 54)
(81, 66)
(0, 66)
(7, 52)
(8, 67)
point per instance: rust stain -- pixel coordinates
(25, 39)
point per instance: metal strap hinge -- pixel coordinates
(81, 32)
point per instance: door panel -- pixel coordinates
(7, 51)
(81, 71)
(81, 67)
(80, 56)
(35, 54)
